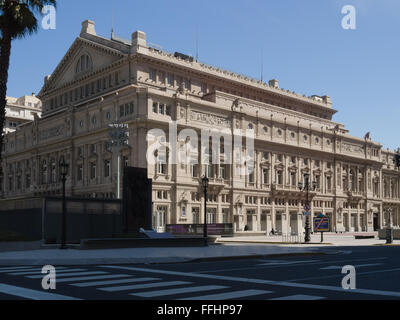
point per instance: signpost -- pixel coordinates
(321, 224)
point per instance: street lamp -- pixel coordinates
(63, 172)
(307, 187)
(204, 183)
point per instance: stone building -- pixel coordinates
(21, 110)
(100, 81)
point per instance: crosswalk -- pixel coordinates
(131, 285)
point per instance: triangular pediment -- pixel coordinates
(66, 72)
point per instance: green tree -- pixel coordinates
(17, 20)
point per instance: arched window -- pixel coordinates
(84, 63)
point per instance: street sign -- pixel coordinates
(307, 207)
(307, 213)
(321, 224)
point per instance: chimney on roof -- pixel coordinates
(138, 40)
(273, 83)
(88, 28)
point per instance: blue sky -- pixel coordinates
(303, 43)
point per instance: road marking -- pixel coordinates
(64, 275)
(26, 273)
(299, 297)
(278, 263)
(341, 275)
(20, 270)
(169, 292)
(230, 295)
(17, 268)
(307, 264)
(356, 266)
(102, 283)
(110, 276)
(144, 286)
(32, 294)
(259, 281)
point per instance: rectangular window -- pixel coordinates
(155, 106)
(161, 108)
(265, 176)
(152, 75)
(93, 170)
(161, 168)
(168, 110)
(194, 171)
(107, 168)
(188, 85)
(80, 173)
(99, 85)
(170, 80)
(131, 108)
(121, 111)
(222, 173)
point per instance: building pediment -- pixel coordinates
(67, 70)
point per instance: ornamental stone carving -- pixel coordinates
(209, 119)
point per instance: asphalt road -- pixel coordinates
(308, 277)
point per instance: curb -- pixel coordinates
(155, 260)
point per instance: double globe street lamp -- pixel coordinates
(307, 187)
(63, 173)
(204, 183)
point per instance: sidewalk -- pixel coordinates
(148, 255)
(330, 239)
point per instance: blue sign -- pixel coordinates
(321, 224)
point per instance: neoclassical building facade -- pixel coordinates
(21, 110)
(101, 81)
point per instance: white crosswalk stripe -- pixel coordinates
(85, 273)
(17, 268)
(20, 270)
(108, 282)
(144, 286)
(230, 295)
(27, 273)
(299, 297)
(109, 276)
(168, 292)
(32, 294)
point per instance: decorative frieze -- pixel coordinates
(209, 119)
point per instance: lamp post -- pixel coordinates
(204, 182)
(63, 172)
(307, 187)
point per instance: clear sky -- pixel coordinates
(303, 43)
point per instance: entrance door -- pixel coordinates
(376, 222)
(196, 215)
(264, 221)
(161, 218)
(362, 222)
(279, 222)
(250, 220)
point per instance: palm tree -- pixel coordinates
(17, 20)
